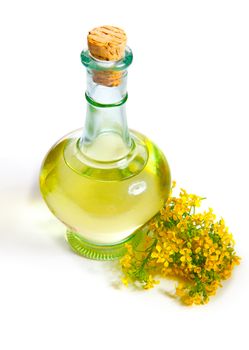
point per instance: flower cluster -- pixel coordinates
(181, 243)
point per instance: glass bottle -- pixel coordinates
(104, 182)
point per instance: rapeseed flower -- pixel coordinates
(180, 243)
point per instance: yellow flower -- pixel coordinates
(125, 281)
(126, 261)
(194, 248)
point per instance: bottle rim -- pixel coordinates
(93, 63)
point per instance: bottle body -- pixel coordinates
(105, 181)
(105, 202)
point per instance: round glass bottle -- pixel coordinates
(104, 182)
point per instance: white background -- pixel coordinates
(188, 91)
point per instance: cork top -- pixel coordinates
(107, 43)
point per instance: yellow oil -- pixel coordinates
(105, 202)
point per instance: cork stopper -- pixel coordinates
(107, 43)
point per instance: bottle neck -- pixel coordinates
(105, 135)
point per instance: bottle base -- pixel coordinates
(101, 252)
